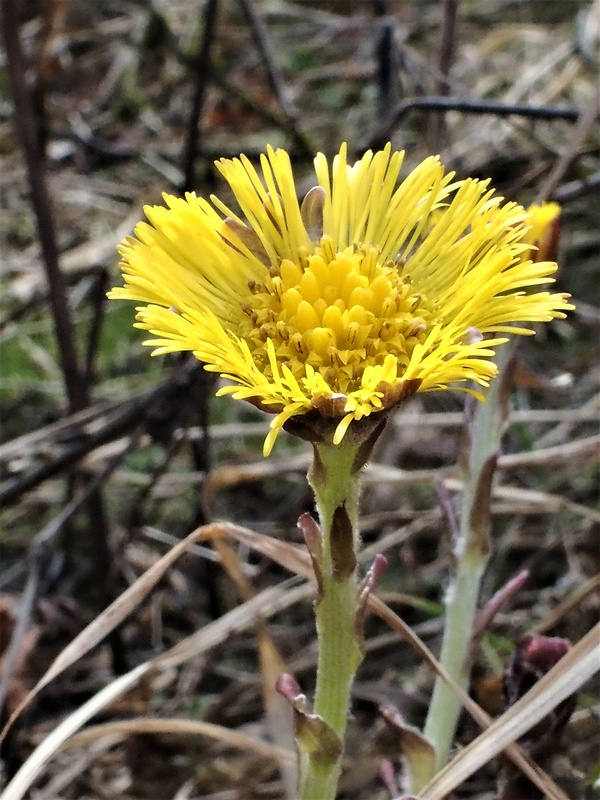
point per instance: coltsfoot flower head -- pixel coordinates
(543, 232)
(338, 308)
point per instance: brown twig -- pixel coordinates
(437, 125)
(573, 151)
(98, 303)
(386, 56)
(495, 604)
(301, 141)
(203, 76)
(38, 556)
(577, 188)
(447, 41)
(133, 517)
(40, 199)
(11, 657)
(447, 507)
(108, 152)
(75, 384)
(53, 21)
(567, 113)
(120, 421)
(263, 42)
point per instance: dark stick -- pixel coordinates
(40, 200)
(133, 517)
(448, 509)
(201, 449)
(203, 76)
(63, 430)
(11, 656)
(386, 58)
(584, 125)
(577, 188)
(263, 40)
(81, 133)
(105, 570)
(38, 557)
(75, 384)
(98, 301)
(120, 421)
(486, 615)
(301, 140)
(447, 39)
(567, 113)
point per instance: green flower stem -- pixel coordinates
(336, 485)
(461, 609)
(471, 557)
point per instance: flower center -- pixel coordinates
(338, 312)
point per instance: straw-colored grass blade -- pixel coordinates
(573, 670)
(184, 727)
(36, 762)
(278, 713)
(241, 618)
(106, 622)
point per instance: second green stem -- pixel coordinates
(472, 550)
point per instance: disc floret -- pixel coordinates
(337, 312)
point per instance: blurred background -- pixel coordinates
(109, 457)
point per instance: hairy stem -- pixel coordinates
(485, 429)
(336, 485)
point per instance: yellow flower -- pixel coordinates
(543, 231)
(367, 292)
